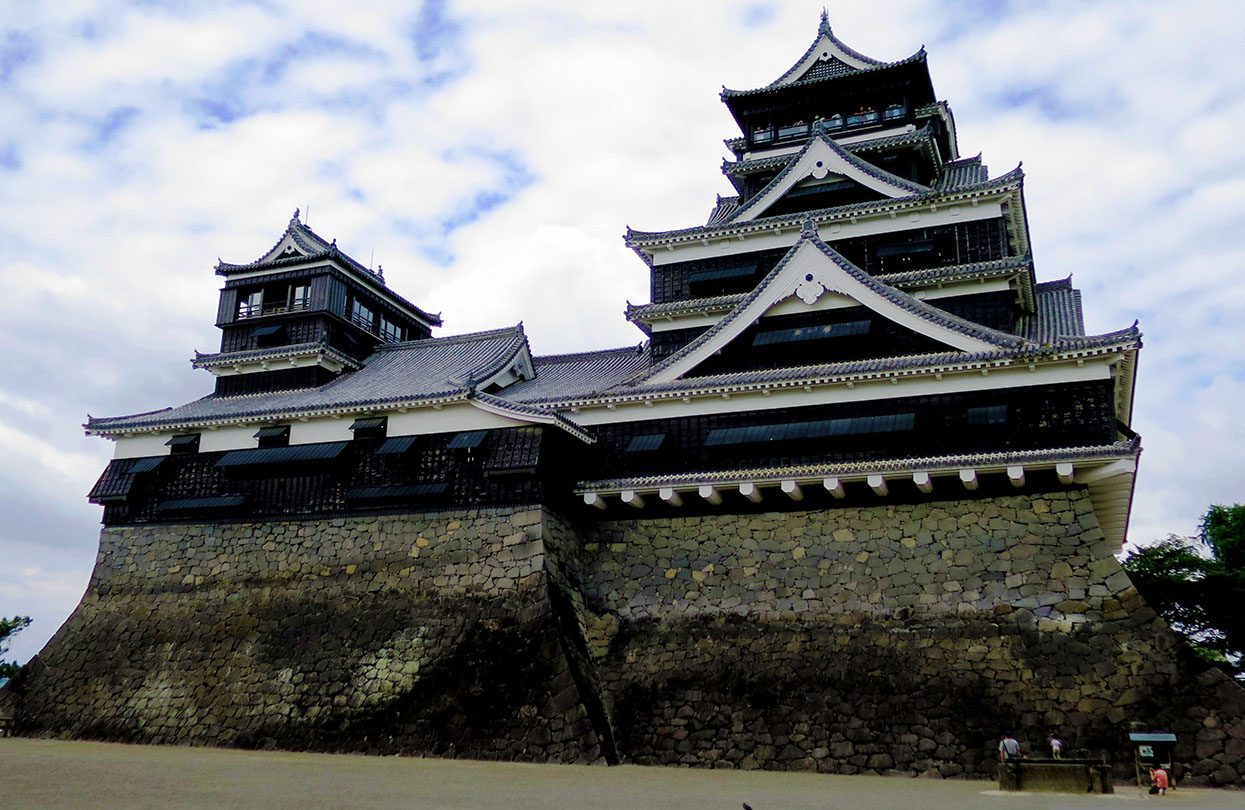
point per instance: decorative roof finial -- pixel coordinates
(825, 20)
(296, 215)
(334, 245)
(808, 229)
(380, 271)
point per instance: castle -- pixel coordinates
(851, 507)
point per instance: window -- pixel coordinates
(183, 443)
(793, 130)
(267, 336)
(821, 429)
(467, 440)
(362, 315)
(646, 443)
(894, 111)
(300, 297)
(250, 304)
(862, 117)
(832, 330)
(390, 331)
(275, 436)
(762, 135)
(987, 415)
(833, 122)
(370, 427)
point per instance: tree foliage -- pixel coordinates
(9, 627)
(1198, 585)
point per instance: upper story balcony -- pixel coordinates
(769, 135)
(274, 300)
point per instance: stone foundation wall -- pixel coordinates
(891, 638)
(897, 638)
(422, 634)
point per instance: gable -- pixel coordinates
(809, 273)
(822, 160)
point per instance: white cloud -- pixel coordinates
(586, 117)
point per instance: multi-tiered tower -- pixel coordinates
(852, 507)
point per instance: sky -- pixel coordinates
(489, 156)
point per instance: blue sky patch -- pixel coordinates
(16, 49)
(434, 32)
(758, 15)
(112, 123)
(9, 159)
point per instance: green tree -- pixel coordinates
(9, 627)
(1198, 585)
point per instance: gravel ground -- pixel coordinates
(53, 774)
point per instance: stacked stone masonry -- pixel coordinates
(887, 639)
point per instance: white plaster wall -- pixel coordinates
(140, 446)
(320, 430)
(455, 417)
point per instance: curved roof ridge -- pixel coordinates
(1014, 175)
(568, 357)
(819, 136)
(894, 296)
(726, 92)
(465, 337)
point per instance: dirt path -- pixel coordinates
(48, 774)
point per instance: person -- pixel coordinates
(1009, 748)
(1158, 776)
(1056, 746)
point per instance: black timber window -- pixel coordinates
(183, 443)
(361, 314)
(275, 436)
(894, 111)
(467, 440)
(391, 332)
(645, 443)
(514, 451)
(370, 427)
(144, 465)
(986, 415)
(282, 454)
(806, 333)
(271, 335)
(1038, 417)
(820, 429)
(396, 445)
(274, 299)
(193, 506)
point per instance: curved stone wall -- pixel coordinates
(897, 638)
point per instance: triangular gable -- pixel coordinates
(827, 48)
(819, 158)
(298, 240)
(810, 270)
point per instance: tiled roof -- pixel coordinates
(902, 300)
(275, 352)
(572, 376)
(860, 164)
(1123, 449)
(636, 238)
(918, 57)
(824, 30)
(317, 248)
(1058, 313)
(963, 173)
(907, 279)
(434, 368)
(723, 210)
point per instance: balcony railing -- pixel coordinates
(256, 310)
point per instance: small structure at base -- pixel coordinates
(1056, 776)
(1152, 748)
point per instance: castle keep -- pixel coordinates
(851, 506)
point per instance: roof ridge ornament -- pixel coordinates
(809, 229)
(824, 27)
